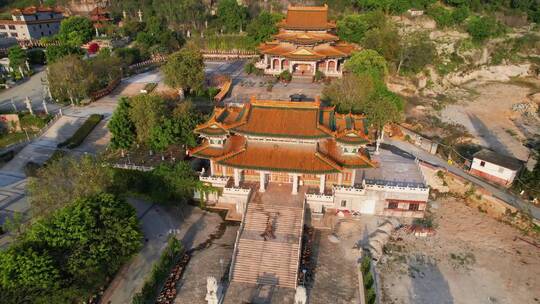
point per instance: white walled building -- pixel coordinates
(497, 168)
(32, 23)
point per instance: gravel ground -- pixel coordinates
(472, 259)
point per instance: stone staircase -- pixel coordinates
(269, 256)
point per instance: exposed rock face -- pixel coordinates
(489, 73)
(85, 6)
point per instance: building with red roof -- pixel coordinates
(305, 44)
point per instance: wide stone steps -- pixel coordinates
(273, 261)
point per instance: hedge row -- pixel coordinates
(369, 286)
(160, 273)
(79, 136)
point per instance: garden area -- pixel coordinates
(23, 127)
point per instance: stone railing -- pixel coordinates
(214, 179)
(236, 191)
(400, 188)
(132, 167)
(348, 189)
(319, 197)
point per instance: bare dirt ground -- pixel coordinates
(472, 259)
(490, 119)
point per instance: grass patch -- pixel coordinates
(160, 272)
(81, 134)
(13, 138)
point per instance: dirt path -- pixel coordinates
(472, 259)
(489, 117)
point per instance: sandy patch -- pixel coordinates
(472, 259)
(489, 117)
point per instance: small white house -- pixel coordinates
(497, 168)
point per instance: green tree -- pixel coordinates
(367, 62)
(14, 224)
(482, 28)
(184, 70)
(55, 52)
(460, 14)
(165, 134)
(416, 52)
(17, 57)
(263, 26)
(121, 126)
(76, 31)
(350, 93)
(146, 112)
(385, 40)
(179, 181)
(441, 15)
(353, 27)
(62, 181)
(67, 256)
(23, 267)
(383, 107)
(232, 16)
(68, 79)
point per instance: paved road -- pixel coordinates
(497, 192)
(31, 87)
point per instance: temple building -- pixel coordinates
(271, 162)
(305, 44)
(308, 145)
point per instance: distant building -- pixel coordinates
(100, 17)
(305, 44)
(32, 23)
(497, 168)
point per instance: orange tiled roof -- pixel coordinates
(320, 51)
(30, 10)
(223, 119)
(307, 18)
(305, 37)
(330, 149)
(234, 144)
(280, 157)
(283, 119)
(306, 120)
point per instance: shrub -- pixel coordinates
(285, 76)
(319, 75)
(7, 156)
(31, 168)
(36, 56)
(149, 87)
(441, 15)
(160, 272)
(79, 136)
(249, 68)
(482, 28)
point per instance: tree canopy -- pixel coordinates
(64, 180)
(146, 112)
(121, 126)
(262, 27)
(65, 257)
(75, 78)
(367, 62)
(185, 70)
(232, 16)
(364, 94)
(76, 31)
(17, 57)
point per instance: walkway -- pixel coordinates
(497, 192)
(268, 250)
